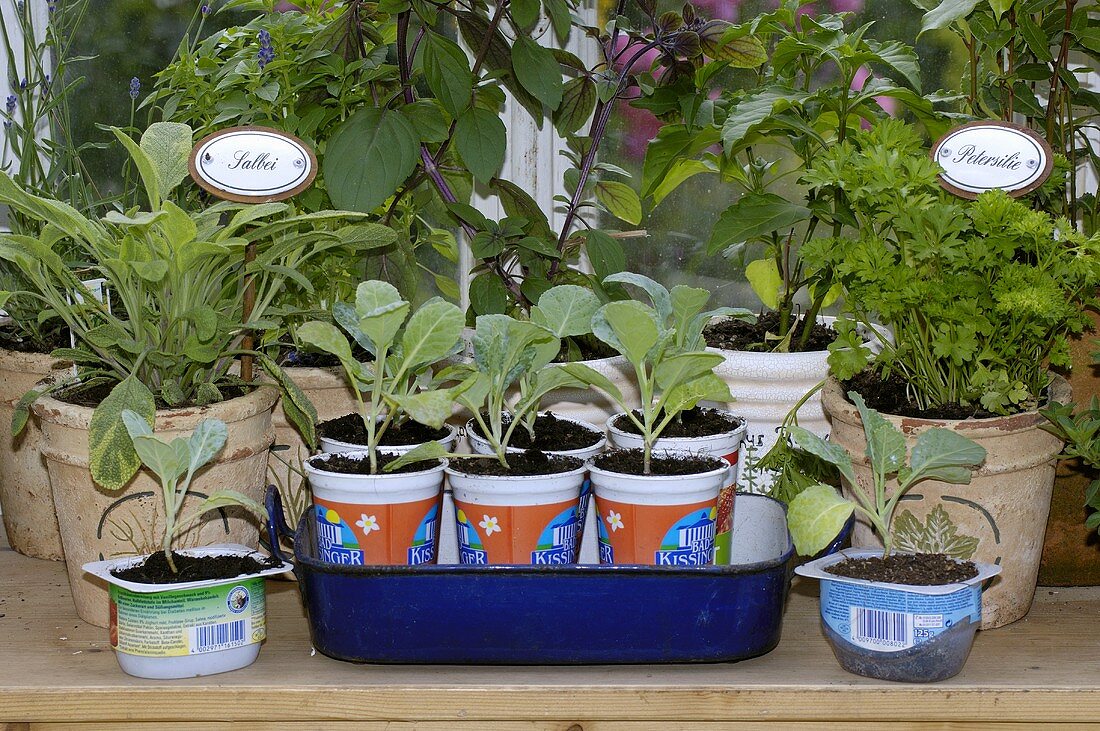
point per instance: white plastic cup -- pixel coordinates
(726, 445)
(335, 446)
(376, 519)
(662, 520)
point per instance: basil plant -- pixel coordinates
(818, 513)
(175, 464)
(664, 343)
(396, 384)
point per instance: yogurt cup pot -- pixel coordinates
(185, 630)
(376, 519)
(900, 632)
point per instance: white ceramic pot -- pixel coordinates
(376, 519)
(167, 631)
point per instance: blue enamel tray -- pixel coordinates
(581, 614)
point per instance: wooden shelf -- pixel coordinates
(58, 672)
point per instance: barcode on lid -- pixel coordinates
(213, 637)
(882, 628)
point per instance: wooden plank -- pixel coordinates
(538, 726)
(54, 668)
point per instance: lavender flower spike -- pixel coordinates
(135, 87)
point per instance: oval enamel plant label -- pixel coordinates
(252, 164)
(983, 156)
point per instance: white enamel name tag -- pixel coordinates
(253, 164)
(983, 156)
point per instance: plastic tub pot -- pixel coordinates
(726, 445)
(335, 446)
(376, 519)
(480, 445)
(910, 634)
(656, 519)
(517, 519)
(168, 631)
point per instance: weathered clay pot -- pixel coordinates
(25, 499)
(1004, 508)
(590, 404)
(97, 525)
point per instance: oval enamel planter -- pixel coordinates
(389, 519)
(517, 519)
(335, 446)
(658, 520)
(725, 446)
(909, 634)
(168, 631)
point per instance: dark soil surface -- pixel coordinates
(349, 428)
(531, 463)
(155, 569)
(739, 335)
(93, 396)
(345, 465)
(697, 422)
(552, 435)
(11, 340)
(302, 359)
(630, 462)
(889, 397)
(917, 569)
(584, 347)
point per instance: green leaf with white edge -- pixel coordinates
(885, 442)
(168, 147)
(685, 367)
(381, 311)
(815, 517)
(826, 450)
(421, 453)
(537, 71)
(324, 336)
(627, 326)
(566, 310)
(621, 200)
(111, 452)
(752, 216)
(765, 280)
(368, 156)
(946, 13)
(447, 72)
(594, 378)
(149, 176)
(481, 141)
(662, 301)
(206, 441)
(707, 387)
(431, 334)
(944, 455)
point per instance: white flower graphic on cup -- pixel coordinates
(614, 520)
(368, 523)
(490, 525)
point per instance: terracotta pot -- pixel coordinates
(97, 525)
(999, 518)
(590, 404)
(25, 499)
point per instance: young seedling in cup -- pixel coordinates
(404, 354)
(664, 343)
(175, 464)
(818, 513)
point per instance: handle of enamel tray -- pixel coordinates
(277, 527)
